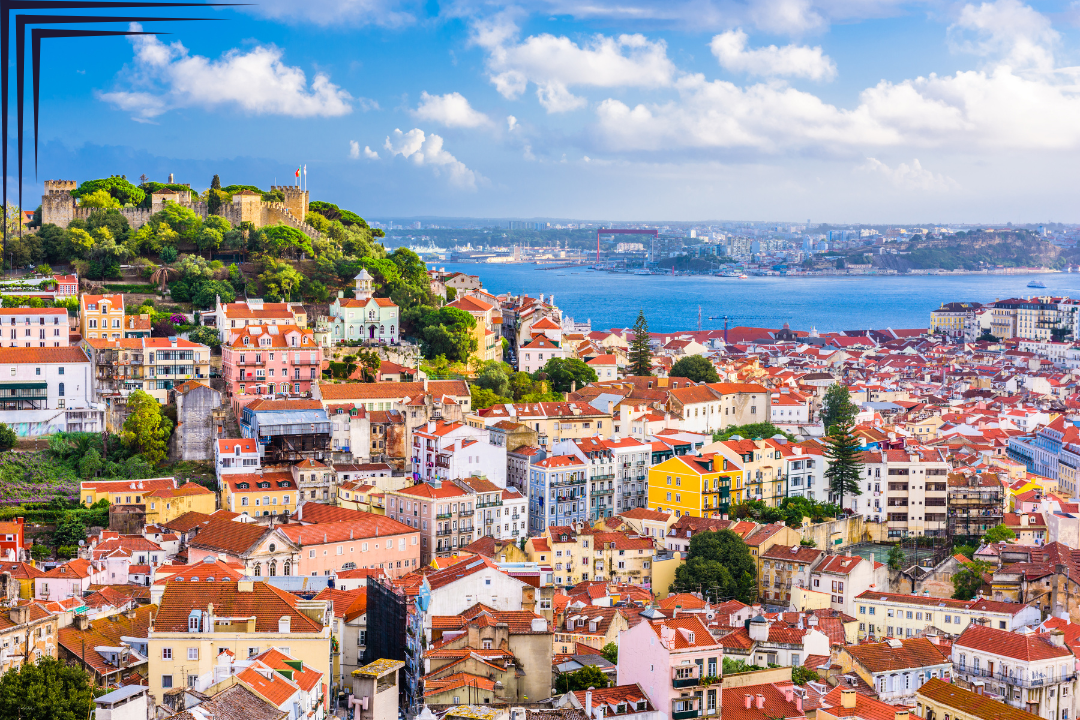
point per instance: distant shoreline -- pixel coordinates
(547, 267)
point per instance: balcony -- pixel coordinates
(494, 503)
(685, 682)
(443, 516)
(464, 513)
(444, 533)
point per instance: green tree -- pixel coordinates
(695, 367)
(842, 450)
(116, 185)
(99, 199)
(279, 279)
(986, 336)
(611, 652)
(205, 335)
(967, 551)
(998, 533)
(801, 675)
(837, 407)
(493, 376)
(896, 557)
(39, 552)
(969, 578)
(46, 690)
(213, 196)
(368, 362)
(8, 438)
(587, 677)
(753, 430)
(90, 463)
(146, 429)
(719, 565)
(640, 352)
(68, 531)
(564, 373)
(482, 398)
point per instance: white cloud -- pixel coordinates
(995, 108)
(785, 16)
(1012, 33)
(909, 177)
(428, 150)
(556, 63)
(355, 152)
(257, 82)
(511, 123)
(790, 60)
(451, 110)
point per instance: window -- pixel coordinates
(193, 653)
(166, 682)
(166, 653)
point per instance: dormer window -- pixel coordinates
(237, 448)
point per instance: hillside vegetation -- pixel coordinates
(175, 249)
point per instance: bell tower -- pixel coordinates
(363, 286)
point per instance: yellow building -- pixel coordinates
(955, 319)
(358, 495)
(695, 485)
(101, 316)
(122, 492)
(486, 330)
(589, 555)
(762, 463)
(170, 503)
(258, 494)
(197, 621)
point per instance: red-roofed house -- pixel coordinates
(845, 577)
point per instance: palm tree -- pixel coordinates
(161, 277)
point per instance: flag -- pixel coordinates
(298, 173)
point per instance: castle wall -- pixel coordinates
(58, 208)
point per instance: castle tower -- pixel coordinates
(363, 286)
(296, 200)
(57, 204)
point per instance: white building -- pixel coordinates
(804, 467)
(908, 488)
(1025, 669)
(451, 450)
(48, 390)
(237, 455)
(616, 470)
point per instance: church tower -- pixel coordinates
(363, 286)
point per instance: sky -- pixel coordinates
(838, 111)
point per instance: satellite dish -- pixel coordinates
(81, 543)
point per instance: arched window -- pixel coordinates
(391, 329)
(272, 568)
(382, 329)
(258, 570)
(287, 570)
(237, 448)
(61, 390)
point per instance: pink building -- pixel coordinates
(371, 541)
(267, 360)
(668, 657)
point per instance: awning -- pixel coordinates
(23, 386)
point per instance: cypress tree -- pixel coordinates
(213, 198)
(640, 353)
(843, 452)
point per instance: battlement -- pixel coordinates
(57, 186)
(296, 200)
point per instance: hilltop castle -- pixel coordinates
(59, 207)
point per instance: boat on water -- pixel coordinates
(744, 277)
(1035, 284)
(642, 272)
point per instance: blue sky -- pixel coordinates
(828, 110)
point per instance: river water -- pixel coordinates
(828, 303)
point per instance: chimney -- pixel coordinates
(788, 693)
(760, 701)
(901, 715)
(1058, 638)
(847, 698)
(588, 703)
(748, 701)
(798, 703)
(82, 622)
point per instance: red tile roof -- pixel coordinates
(263, 601)
(1018, 646)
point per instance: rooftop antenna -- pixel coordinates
(699, 318)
